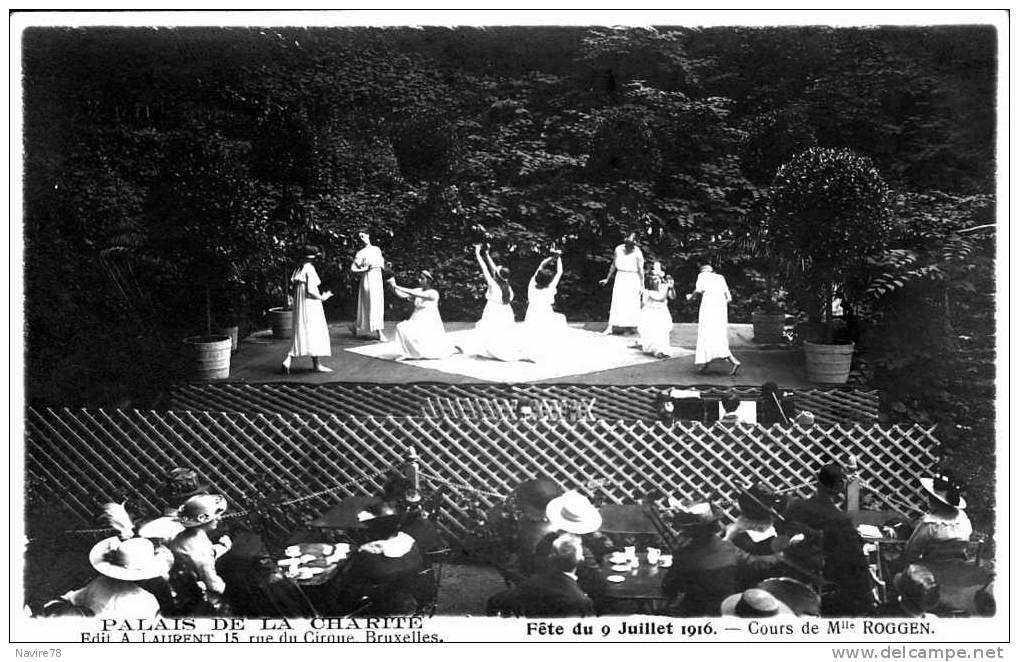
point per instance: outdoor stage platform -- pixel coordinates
(606, 360)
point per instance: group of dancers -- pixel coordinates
(639, 302)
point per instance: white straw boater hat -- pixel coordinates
(573, 513)
(945, 490)
(133, 559)
(201, 509)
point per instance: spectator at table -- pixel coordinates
(573, 513)
(944, 532)
(195, 579)
(379, 577)
(551, 592)
(705, 568)
(754, 529)
(845, 565)
(531, 499)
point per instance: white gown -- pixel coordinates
(370, 294)
(543, 327)
(655, 322)
(625, 310)
(423, 336)
(495, 334)
(311, 333)
(713, 320)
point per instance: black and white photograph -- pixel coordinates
(493, 326)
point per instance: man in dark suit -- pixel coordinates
(848, 584)
(551, 592)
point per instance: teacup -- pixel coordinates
(653, 555)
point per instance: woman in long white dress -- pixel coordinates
(655, 318)
(542, 324)
(370, 295)
(311, 333)
(495, 334)
(712, 320)
(422, 336)
(628, 269)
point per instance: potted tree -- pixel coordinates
(829, 213)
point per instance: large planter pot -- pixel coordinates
(208, 357)
(828, 364)
(233, 332)
(282, 322)
(768, 328)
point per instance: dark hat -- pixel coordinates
(757, 502)
(832, 476)
(309, 251)
(803, 600)
(697, 515)
(754, 603)
(945, 490)
(532, 496)
(181, 484)
(918, 589)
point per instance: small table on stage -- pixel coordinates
(628, 519)
(641, 583)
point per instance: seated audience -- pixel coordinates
(116, 593)
(754, 529)
(551, 592)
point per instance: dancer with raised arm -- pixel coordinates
(542, 324)
(628, 268)
(370, 294)
(655, 318)
(495, 334)
(422, 336)
(712, 320)
(311, 333)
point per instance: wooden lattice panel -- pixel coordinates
(631, 401)
(80, 458)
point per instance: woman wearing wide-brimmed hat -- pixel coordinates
(311, 333)
(121, 564)
(754, 529)
(945, 531)
(194, 552)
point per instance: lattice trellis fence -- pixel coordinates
(631, 401)
(80, 458)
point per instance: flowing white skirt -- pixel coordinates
(654, 329)
(625, 310)
(311, 333)
(712, 329)
(496, 336)
(423, 336)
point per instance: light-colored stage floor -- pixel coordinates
(258, 360)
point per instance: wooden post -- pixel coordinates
(853, 485)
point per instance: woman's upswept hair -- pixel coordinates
(543, 278)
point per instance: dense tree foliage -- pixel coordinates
(163, 165)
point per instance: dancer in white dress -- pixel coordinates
(370, 295)
(495, 334)
(655, 318)
(713, 320)
(422, 336)
(628, 268)
(311, 333)
(542, 325)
